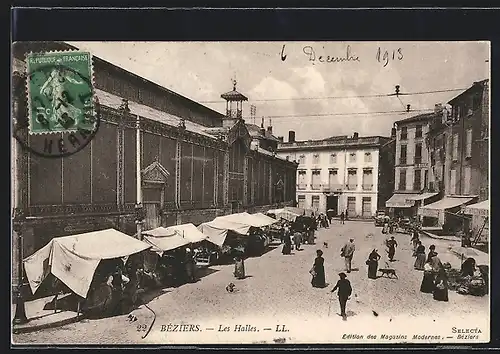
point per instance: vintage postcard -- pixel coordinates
(250, 192)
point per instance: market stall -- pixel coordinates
(74, 260)
(231, 237)
(283, 214)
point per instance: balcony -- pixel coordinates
(402, 187)
(315, 186)
(367, 187)
(404, 136)
(417, 186)
(402, 161)
(351, 187)
(417, 160)
(302, 186)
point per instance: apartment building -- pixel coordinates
(412, 165)
(341, 173)
(459, 158)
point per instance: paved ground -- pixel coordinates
(277, 290)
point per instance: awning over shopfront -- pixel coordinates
(480, 209)
(434, 209)
(400, 201)
(421, 196)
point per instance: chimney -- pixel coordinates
(280, 138)
(270, 129)
(438, 108)
(393, 133)
(355, 135)
(291, 136)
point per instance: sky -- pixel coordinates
(293, 88)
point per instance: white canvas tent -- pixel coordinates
(284, 214)
(189, 232)
(217, 230)
(163, 239)
(265, 219)
(247, 219)
(74, 259)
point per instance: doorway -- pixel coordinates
(153, 202)
(332, 204)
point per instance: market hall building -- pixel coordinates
(194, 163)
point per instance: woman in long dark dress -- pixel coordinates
(427, 285)
(287, 245)
(440, 292)
(239, 266)
(372, 262)
(318, 280)
(420, 254)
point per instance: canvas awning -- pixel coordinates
(421, 196)
(74, 259)
(400, 201)
(434, 209)
(248, 219)
(189, 232)
(216, 230)
(284, 214)
(164, 239)
(265, 219)
(479, 209)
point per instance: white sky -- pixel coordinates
(202, 71)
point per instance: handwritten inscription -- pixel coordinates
(386, 56)
(313, 55)
(322, 58)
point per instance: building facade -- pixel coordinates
(341, 173)
(194, 163)
(459, 156)
(412, 165)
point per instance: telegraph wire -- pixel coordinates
(345, 97)
(349, 114)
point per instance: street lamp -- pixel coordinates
(20, 315)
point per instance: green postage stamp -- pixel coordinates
(60, 92)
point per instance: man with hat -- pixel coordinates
(348, 252)
(344, 292)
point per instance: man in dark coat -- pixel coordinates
(344, 292)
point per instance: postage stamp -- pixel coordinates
(60, 93)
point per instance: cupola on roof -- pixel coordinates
(234, 95)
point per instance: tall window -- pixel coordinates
(467, 177)
(453, 181)
(404, 133)
(402, 180)
(418, 153)
(367, 179)
(352, 157)
(302, 201)
(352, 179)
(418, 131)
(315, 202)
(468, 143)
(302, 159)
(302, 180)
(316, 159)
(368, 157)
(417, 180)
(333, 180)
(454, 152)
(402, 156)
(333, 159)
(316, 179)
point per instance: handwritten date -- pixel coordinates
(386, 56)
